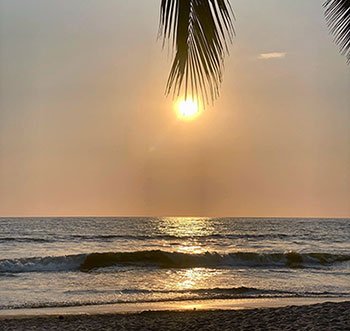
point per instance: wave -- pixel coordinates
(183, 260)
(24, 239)
(112, 237)
(164, 259)
(42, 264)
(216, 291)
(148, 296)
(172, 237)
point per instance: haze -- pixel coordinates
(85, 128)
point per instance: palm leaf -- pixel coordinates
(338, 17)
(198, 31)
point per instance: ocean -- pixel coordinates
(62, 262)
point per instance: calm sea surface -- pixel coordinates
(49, 262)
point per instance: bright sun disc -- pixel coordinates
(187, 110)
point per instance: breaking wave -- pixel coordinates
(164, 259)
(42, 264)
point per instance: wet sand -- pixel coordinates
(322, 316)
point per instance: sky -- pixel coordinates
(85, 127)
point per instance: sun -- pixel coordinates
(187, 110)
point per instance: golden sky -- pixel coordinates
(85, 128)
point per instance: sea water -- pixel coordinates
(55, 262)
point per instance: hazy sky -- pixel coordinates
(85, 128)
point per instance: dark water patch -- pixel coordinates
(209, 291)
(183, 260)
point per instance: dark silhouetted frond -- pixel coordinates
(338, 18)
(198, 31)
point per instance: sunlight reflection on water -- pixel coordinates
(192, 278)
(189, 227)
(186, 226)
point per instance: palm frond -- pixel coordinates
(337, 14)
(198, 31)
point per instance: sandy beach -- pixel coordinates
(323, 316)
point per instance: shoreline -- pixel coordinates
(188, 305)
(322, 316)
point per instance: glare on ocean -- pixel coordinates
(193, 278)
(188, 229)
(185, 226)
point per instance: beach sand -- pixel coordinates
(322, 316)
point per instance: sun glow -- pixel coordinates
(187, 110)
